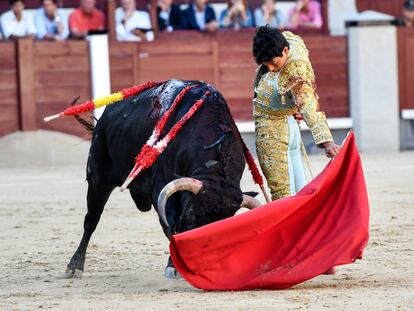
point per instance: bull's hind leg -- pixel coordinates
(97, 198)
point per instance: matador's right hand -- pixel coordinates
(331, 149)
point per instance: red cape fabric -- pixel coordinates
(284, 242)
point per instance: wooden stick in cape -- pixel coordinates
(257, 177)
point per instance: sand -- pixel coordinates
(42, 205)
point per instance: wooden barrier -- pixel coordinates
(9, 103)
(225, 61)
(61, 73)
(39, 78)
(406, 67)
(391, 7)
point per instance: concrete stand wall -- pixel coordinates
(373, 72)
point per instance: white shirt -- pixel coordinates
(139, 19)
(200, 18)
(11, 26)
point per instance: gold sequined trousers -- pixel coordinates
(272, 139)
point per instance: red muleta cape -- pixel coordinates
(284, 242)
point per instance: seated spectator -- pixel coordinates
(16, 23)
(306, 14)
(169, 16)
(269, 14)
(237, 15)
(50, 23)
(408, 14)
(85, 19)
(200, 16)
(131, 24)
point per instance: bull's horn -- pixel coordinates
(250, 202)
(179, 184)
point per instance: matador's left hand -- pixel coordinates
(331, 149)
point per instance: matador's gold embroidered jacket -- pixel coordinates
(291, 89)
(279, 95)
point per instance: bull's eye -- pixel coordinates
(210, 163)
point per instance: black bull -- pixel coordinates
(208, 148)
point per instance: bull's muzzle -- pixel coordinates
(250, 202)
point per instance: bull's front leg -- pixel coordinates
(170, 271)
(172, 216)
(96, 198)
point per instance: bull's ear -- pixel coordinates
(210, 163)
(251, 193)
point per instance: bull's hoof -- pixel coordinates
(171, 273)
(73, 273)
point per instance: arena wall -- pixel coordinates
(42, 78)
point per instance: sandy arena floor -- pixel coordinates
(42, 205)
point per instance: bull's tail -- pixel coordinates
(89, 126)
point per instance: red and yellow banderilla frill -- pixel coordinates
(104, 101)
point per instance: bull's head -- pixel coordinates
(195, 186)
(212, 161)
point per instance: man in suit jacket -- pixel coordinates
(169, 16)
(200, 16)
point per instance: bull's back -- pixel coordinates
(118, 137)
(126, 126)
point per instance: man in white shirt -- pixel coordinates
(131, 24)
(16, 23)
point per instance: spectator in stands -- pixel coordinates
(169, 16)
(306, 14)
(131, 24)
(408, 14)
(269, 14)
(50, 23)
(16, 23)
(85, 19)
(200, 16)
(237, 15)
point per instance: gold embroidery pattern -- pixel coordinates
(314, 119)
(297, 68)
(273, 114)
(266, 89)
(296, 71)
(296, 41)
(272, 139)
(298, 77)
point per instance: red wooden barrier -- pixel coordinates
(9, 115)
(406, 67)
(45, 77)
(225, 61)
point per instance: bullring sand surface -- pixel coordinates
(42, 205)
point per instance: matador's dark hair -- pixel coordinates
(268, 43)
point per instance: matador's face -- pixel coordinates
(278, 62)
